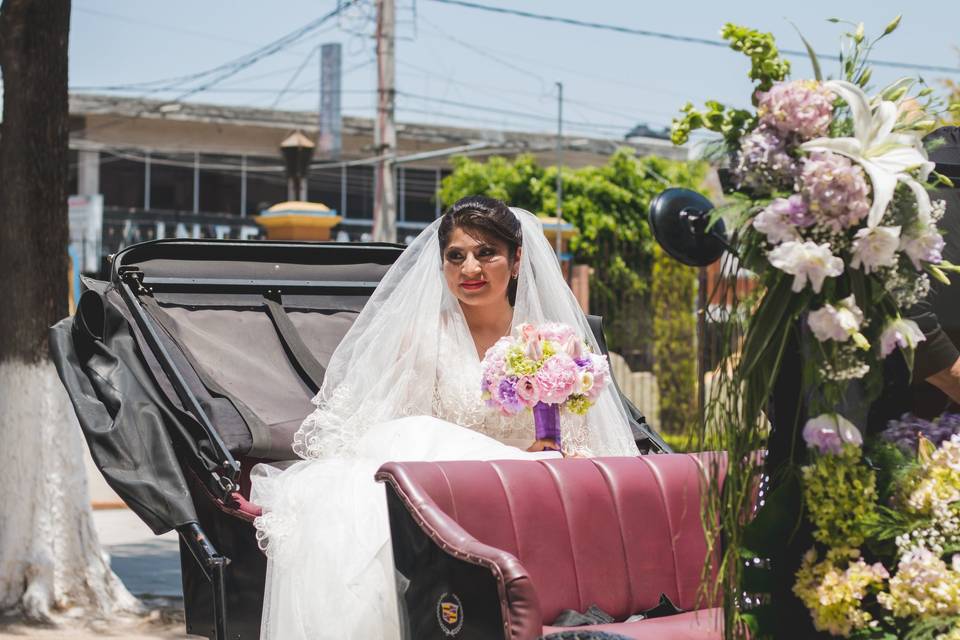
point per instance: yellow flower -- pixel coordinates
(833, 589)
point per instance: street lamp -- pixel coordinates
(297, 149)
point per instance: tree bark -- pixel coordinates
(51, 563)
(33, 174)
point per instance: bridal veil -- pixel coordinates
(388, 364)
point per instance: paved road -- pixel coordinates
(149, 565)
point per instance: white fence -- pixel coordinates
(640, 387)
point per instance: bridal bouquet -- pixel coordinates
(831, 212)
(543, 368)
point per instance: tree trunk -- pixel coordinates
(50, 559)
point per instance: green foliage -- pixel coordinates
(518, 182)
(766, 67)
(674, 342)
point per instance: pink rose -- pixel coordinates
(601, 375)
(556, 331)
(528, 391)
(573, 347)
(534, 349)
(558, 378)
(525, 332)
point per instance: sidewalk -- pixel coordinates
(150, 568)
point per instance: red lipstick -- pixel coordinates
(473, 285)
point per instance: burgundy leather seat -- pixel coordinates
(502, 547)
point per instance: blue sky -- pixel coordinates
(461, 66)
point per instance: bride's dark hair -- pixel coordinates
(489, 218)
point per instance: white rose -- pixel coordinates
(900, 333)
(875, 247)
(836, 323)
(923, 244)
(806, 261)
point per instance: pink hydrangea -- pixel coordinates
(763, 163)
(557, 378)
(835, 190)
(800, 107)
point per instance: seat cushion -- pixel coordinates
(694, 625)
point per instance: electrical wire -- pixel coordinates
(675, 37)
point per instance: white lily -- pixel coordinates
(885, 156)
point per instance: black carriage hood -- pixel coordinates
(126, 423)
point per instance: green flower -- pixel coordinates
(549, 349)
(519, 364)
(578, 405)
(840, 494)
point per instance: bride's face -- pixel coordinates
(478, 270)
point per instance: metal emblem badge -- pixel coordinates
(450, 614)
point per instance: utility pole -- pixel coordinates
(559, 167)
(385, 133)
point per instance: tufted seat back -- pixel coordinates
(615, 532)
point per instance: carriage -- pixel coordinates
(198, 359)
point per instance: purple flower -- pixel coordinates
(793, 209)
(802, 107)
(763, 163)
(835, 190)
(829, 432)
(904, 432)
(506, 396)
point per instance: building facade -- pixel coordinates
(199, 170)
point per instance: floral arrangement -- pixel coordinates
(546, 364)
(831, 211)
(890, 530)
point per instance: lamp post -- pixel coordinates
(297, 149)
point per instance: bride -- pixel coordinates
(404, 384)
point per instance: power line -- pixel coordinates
(230, 69)
(509, 112)
(296, 74)
(676, 37)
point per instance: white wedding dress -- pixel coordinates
(403, 385)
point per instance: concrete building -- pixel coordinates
(201, 170)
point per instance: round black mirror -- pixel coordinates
(679, 219)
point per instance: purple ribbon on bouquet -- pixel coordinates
(546, 419)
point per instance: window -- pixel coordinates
(418, 192)
(121, 181)
(171, 182)
(220, 184)
(323, 185)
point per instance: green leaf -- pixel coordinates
(761, 621)
(813, 55)
(769, 321)
(774, 523)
